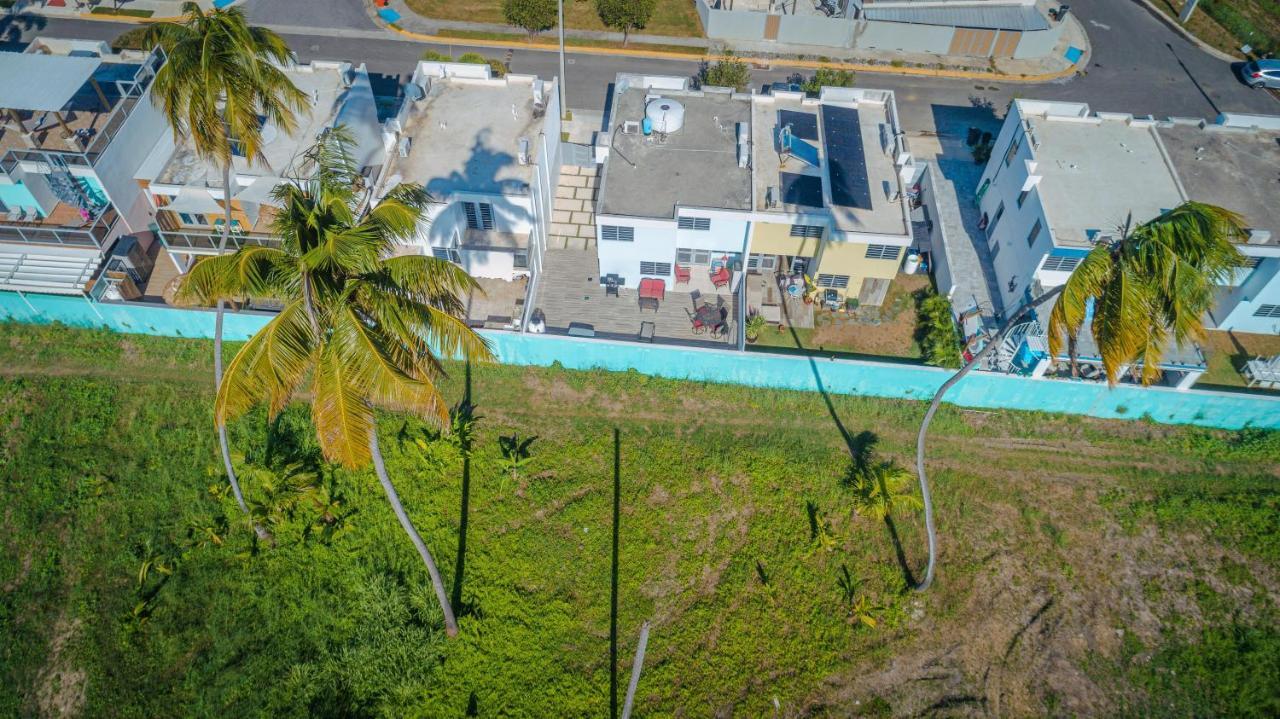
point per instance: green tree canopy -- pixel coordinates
(625, 15)
(534, 16)
(729, 72)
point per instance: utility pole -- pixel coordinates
(1188, 7)
(564, 101)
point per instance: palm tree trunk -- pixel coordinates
(933, 408)
(450, 624)
(258, 529)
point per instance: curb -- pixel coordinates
(703, 57)
(1172, 23)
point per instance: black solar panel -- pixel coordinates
(800, 189)
(804, 125)
(846, 157)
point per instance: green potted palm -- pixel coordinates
(754, 326)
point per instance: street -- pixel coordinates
(1138, 64)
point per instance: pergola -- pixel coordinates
(45, 83)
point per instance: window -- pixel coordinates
(762, 263)
(521, 260)
(702, 224)
(617, 233)
(1267, 311)
(690, 256)
(799, 265)
(448, 254)
(655, 268)
(806, 231)
(883, 252)
(193, 218)
(838, 282)
(1012, 151)
(1056, 263)
(1022, 197)
(1034, 234)
(995, 220)
(479, 215)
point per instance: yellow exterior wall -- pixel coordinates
(850, 258)
(771, 238)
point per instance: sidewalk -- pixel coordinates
(1053, 66)
(159, 9)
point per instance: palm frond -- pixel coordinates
(1084, 285)
(269, 367)
(340, 409)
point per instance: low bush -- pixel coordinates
(936, 330)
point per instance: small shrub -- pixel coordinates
(433, 56)
(126, 12)
(828, 77)
(134, 39)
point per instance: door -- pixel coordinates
(972, 41)
(771, 24)
(1006, 43)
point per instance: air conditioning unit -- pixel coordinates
(631, 127)
(523, 155)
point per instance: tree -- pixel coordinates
(827, 77)
(729, 72)
(534, 16)
(625, 15)
(360, 328)
(221, 76)
(1150, 279)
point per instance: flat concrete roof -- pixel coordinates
(322, 83)
(33, 81)
(696, 166)
(772, 170)
(1235, 169)
(465, 137)
(884, 216)
(1096, 172)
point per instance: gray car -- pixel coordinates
(1261, 73)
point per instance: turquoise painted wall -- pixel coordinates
(17, 195)
(1210, 409)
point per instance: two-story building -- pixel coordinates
(76, 121)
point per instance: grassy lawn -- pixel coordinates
(1226, 353)
(1229, 24)
(670, 17)
(885, 331)
(550, 41)
(1086, 567)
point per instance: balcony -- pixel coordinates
(203, 240)
(64, 226)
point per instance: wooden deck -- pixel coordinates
(569, 291)
(762, 291)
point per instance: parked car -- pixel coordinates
(1261, 73)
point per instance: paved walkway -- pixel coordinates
(573, 220)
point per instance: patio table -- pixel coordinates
(709, 316)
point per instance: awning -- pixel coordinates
(198, 202)
(42, 82)
(259, 192)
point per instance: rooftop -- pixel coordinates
(861, 177)
(785, 183)
(464, 136)
(1237, 169)
(326, 87)
(695, 166)
(1097, 171)
(69, 95)
(982, 14)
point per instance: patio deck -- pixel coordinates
(500, 303)
(569, 291)
(762, 291)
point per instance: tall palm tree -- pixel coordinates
(221, 77)
(362, 329)
(1151, 279)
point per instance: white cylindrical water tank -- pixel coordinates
(666, 115)
(912, 264)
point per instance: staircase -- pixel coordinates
(67, 188)
(1007, 353)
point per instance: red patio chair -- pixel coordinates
(720, 278)
(683, 275)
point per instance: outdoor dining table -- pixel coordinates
(709, 316)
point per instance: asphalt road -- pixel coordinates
(1138, 64)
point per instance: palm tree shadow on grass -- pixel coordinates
(862, 451)
(465, 412)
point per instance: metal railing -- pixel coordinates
(94, 235)
(206, 243)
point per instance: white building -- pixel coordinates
(1061, 177)
(76, 120)
(487, 150)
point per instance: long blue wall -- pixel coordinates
(1211, 409)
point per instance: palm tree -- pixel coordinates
(1157, 277)
(882, 490)
(361, 330)
(221, 76)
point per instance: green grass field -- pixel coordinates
(670, 17)
(1086, 567)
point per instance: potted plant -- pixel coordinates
(811, 290)
(755, 325)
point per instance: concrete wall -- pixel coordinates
(815, 30)
(1261, 287)
(123, 157)
(774, 238)
(939, 255)
(655, 241)
(1038, 44)
(850, 258)
(906, 37)
(730, 24)
(756, 369)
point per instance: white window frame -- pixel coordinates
(883, 252)
(479, 215)
(655, 268)
(811, 231)
(700, 224)
(1269, 311)
(836, 282)
(617, 233)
